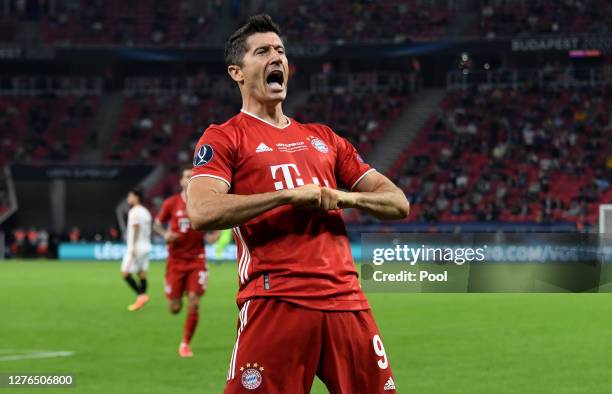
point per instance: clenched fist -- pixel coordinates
(336, 199)
(307, 196)
(324, 198)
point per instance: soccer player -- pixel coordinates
(277, 183)
(136, 258)
(186, 271)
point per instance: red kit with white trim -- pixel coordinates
(299, 256)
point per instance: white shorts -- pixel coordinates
(137, 264)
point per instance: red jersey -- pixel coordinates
(298, 255)
(187, 251)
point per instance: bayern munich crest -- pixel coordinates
(319, 145)
(251, 377)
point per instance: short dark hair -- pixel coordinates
(138, 192)
(235, 47)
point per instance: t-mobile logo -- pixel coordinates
(289, 181)
(285, 169)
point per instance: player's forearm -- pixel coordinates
(213, 236)
(384, 205)
(159, 229)
(219, 211)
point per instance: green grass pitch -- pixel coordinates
(437, 343)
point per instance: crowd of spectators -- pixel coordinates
(362, 21)
(511, 18)
(187, 23)
(32, 242)
(361, 117)
(165, 127)
(532, 154)
(38, 242)
(127, 23)
(163, 22)
(45, 127)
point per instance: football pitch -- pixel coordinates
(71, 317)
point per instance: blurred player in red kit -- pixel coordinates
(186, 271)
(277, 183)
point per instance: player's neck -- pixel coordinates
(271, 114)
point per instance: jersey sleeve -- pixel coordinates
(214, 155)
(136, 216)
(131, 220)
(165, 213)
(350, 167)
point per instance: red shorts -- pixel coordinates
(179, 282)
(280, 347)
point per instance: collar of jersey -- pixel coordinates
(266, 122)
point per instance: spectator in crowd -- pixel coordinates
(74, 235)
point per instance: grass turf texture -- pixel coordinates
(437, 343)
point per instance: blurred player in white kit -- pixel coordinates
(138, 240)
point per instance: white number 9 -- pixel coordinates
(379, 349)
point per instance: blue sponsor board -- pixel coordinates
(115, 251)
(494, 253)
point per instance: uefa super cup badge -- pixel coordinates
(252, 376)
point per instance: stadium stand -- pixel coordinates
(531, 155)
(46, 127)
(357, 106)
(517, 139)
(182, 23)
(164, 128)
(7, 29)
(362, 121)
(160, 23)
(510, 18)
(126, 23)
(356, 21)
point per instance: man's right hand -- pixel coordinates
(307, 196)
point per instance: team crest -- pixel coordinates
(203, 156)
(251, 377)
(319, 145)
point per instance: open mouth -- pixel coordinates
(275, 79)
